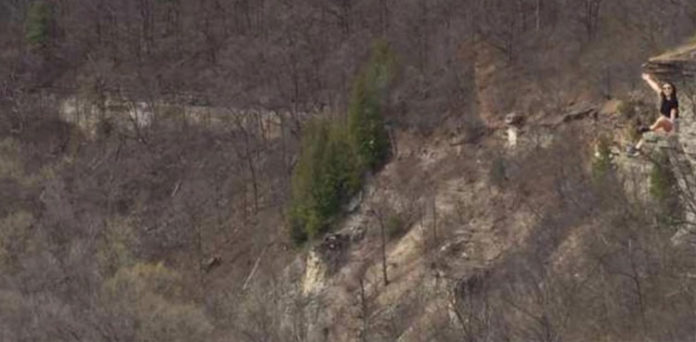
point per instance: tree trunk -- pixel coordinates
(384, 251)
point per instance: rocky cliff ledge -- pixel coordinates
(679, 67)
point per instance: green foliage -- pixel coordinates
(395, 226)
(664, 190)
(661, 178)
(602, 161)
(38, 23)
(334, 157)
(498, 171)
(326, 175)
(365, 119)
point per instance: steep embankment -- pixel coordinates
(511, 236)
(451, 209)
(443, 219)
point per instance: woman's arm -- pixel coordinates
(673, 114)
(652, 83)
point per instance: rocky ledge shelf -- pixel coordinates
(678, 66)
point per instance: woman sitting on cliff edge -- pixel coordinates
(669, 111)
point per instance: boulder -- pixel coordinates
(357, 233)
(354, 203)
(332, 250)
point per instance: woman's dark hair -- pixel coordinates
(674, 89)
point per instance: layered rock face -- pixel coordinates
(88, 114)
(679, 67)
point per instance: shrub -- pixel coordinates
(497, 173)
(691, 39)
(395, 226)
(38, 23)
(326, 176)
(664, 190)
(365, 120)
(334, 157)
(602, 163)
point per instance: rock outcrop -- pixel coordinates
(679, 67)
(88, 114)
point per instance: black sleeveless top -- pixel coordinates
(666, 105)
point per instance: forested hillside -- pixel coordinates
(380, 120)
(302, 55)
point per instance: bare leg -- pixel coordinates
(656, 125)
(640, 143)
(661, 123)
